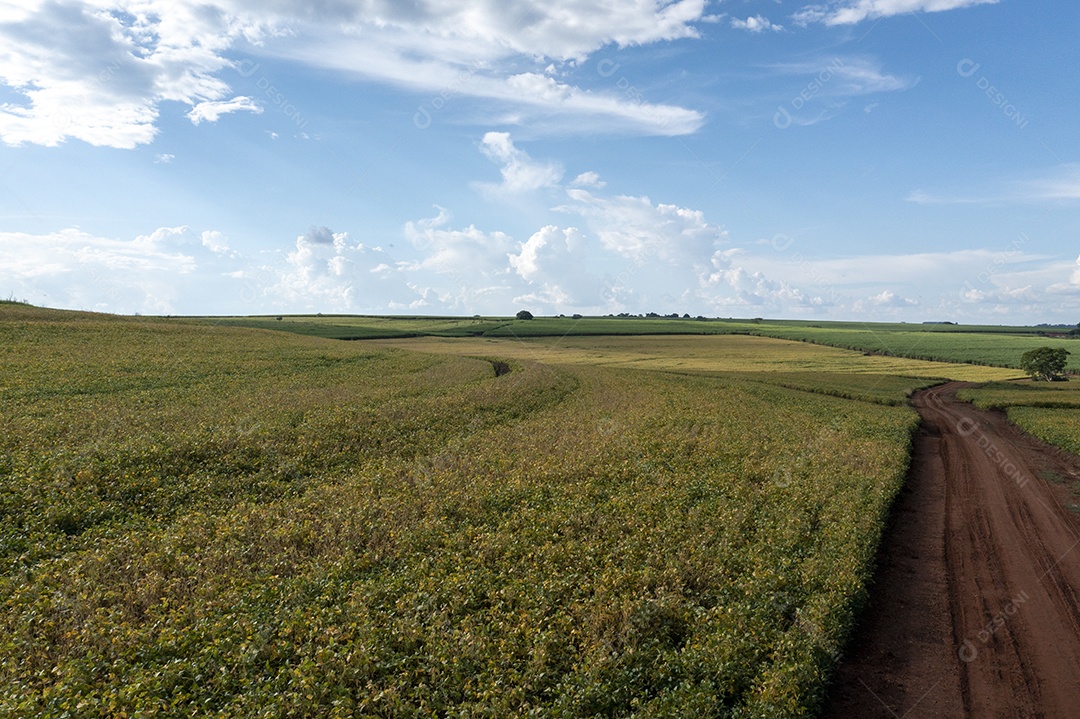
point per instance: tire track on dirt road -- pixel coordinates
(974, 611)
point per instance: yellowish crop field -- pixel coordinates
(214, 521)
(705, 353)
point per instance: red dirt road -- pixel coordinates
(975, 611)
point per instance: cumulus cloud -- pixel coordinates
(588, 179)
(215, 242)
(891, 299)
(1071, 286)
(849, 12)
(99, 71)
(519, 171)
(637, 229)
(327, 270)
(73, 268)
(755, 24)
(467, 253)
(753, 289)
(552, 262)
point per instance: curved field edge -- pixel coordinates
(237, 524)
(1047, 410)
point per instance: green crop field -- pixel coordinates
(980, 345)
(1047, 410)
(203, 519)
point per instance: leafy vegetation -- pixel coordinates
(1045, 363)
(207, 520)
(1055, 426)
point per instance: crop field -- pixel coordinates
(1047, 410)
(762, 357)
(979, 345)
(209, 520)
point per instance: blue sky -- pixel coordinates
(850, 159)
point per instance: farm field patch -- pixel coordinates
(234, 522)
(966, 344)
(1048, 410)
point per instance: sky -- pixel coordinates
(868, 160)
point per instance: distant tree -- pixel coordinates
(576, 317)
(1045, 364)
(524, 315)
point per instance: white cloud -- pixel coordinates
(210, 111)
(542, 100)
(636, 229)
(215, 242)
(848, 12)
(1071, 286)
(1055, 185)
(100, 70)
(468, 253)
(454, 48)
(828, 85)
(551, 262)
(922, 197)
(891, 299)
(755, 24)
(328, 271)
(588, 179)
(558, 29)
(73, 268)
(1063, 183)
(520, 172)
(754, 290)
(846, 77)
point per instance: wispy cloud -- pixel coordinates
(1060, 184)
(848, 76)
(211, 110)
(829, 84)
(849, 12)
(100, 71)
